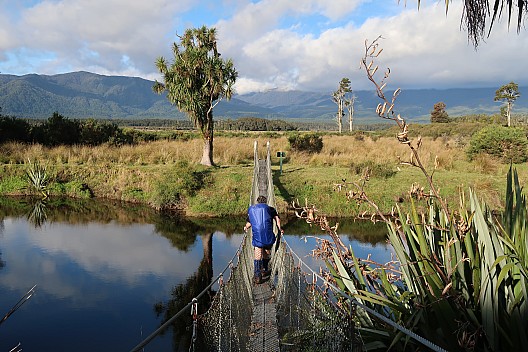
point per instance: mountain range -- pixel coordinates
(85, 94)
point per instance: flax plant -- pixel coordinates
(37, 178)
(459, 277)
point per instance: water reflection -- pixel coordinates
(109, 274)
(100, 268)
(362, 231)
(182, 294)
(38, 216)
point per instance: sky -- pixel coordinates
(307, 45)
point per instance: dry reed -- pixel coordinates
(337, 151)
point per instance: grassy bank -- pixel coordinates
(165, 174)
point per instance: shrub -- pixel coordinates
(182, 181)
(505, 143)
(438, 114)
(57, 130)
(375, 169)
(307, 143)
(93, 132)
(37, 178)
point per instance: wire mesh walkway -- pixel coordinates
(264, 335)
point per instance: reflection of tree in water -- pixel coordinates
(365, 231)
(228, 225)
(182, 231)
(81, 211)
(184, 293)
(179, 231)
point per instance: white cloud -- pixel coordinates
(423, 48)
(110, 253)
(308, 45)
(95, 35)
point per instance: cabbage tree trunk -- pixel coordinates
(207, 132)
(207, 156)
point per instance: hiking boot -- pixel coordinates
(258, 266)
(265, 272)
(265, 267)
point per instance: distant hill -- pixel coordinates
(85, 94)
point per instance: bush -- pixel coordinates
(93, 132)
(438, 114)
(505, 143)
(375, 169)
(182, 181)
(308, 143)
(57, 130)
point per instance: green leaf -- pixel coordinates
(359, 275)
(505, 270)
(338, 279)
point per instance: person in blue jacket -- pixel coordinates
(260, 219)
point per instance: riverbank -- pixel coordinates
(166, 175)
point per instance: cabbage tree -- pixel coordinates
(508, 93)
(197, 80)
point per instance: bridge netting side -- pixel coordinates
(308, 318)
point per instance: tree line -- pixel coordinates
(59, 130)
(254, 124)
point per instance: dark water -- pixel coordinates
(108, 274)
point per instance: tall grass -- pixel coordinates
(130, 172)
(337, 151)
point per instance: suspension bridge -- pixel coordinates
(289, 312)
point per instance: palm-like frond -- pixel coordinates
(198, 76)
(477, 15)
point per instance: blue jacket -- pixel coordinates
(261, 218)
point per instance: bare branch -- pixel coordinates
(386, 110)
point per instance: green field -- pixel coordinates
(165, 174)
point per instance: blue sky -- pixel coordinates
(275, 44)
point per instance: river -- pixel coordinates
(107, 274)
